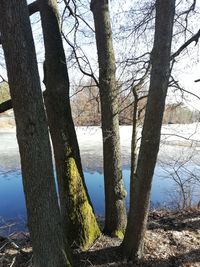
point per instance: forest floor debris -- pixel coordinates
(172, 239)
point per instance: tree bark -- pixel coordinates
(32, 9)
(6, 105)
(115, 210)
(44, 220)
(141, 179)
(78, 217)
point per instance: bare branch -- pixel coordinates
(5, 106)
(194, 38)
(91, 74)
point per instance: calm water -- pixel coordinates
(12, 204)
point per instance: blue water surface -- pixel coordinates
(12, 203)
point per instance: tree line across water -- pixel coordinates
(55, 228)
(86, 108)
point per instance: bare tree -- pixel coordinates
(183, 175)
(115, 211)
(44, 220)
(141, 178)
(76, 209)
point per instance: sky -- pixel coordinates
(187, 68)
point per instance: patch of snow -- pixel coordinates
(178, 142)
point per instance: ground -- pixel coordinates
(172, 239)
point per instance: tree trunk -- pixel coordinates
(141, 179)
(44, 220)
(115, 210)
(76, 209)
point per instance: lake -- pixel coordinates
(12, 205)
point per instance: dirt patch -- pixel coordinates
(172, 239)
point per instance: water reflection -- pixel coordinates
(12, 204)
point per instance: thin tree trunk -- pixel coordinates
(78, 217)
(141, 179)
(115, 210)
(44, 220)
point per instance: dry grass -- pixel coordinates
(172, 239)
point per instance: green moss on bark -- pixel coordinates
(119, 234)
(83, 228)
